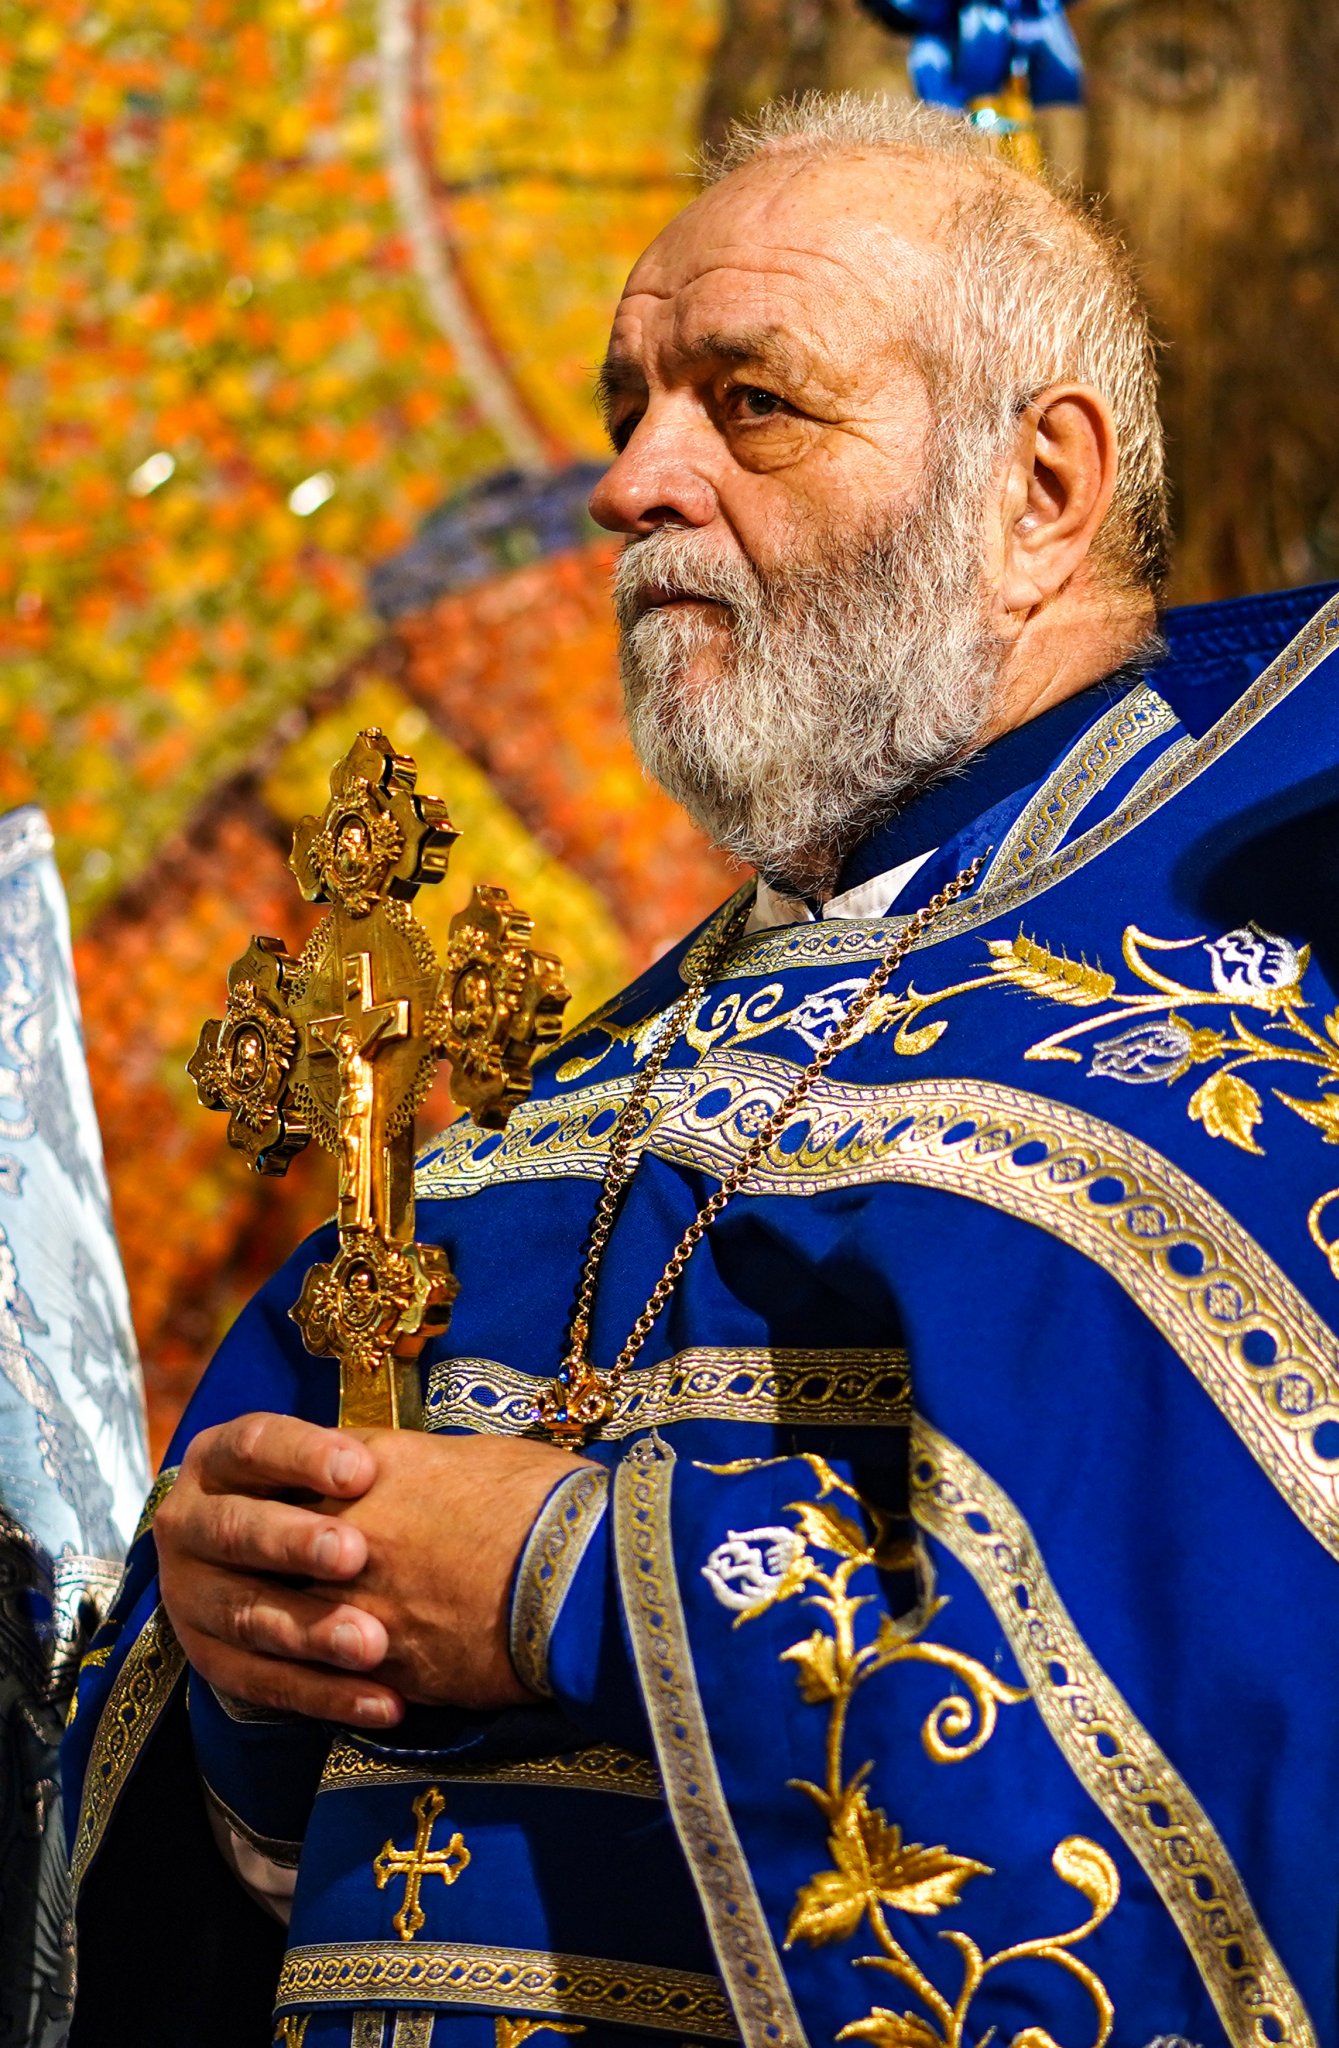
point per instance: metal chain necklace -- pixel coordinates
(581, 1399)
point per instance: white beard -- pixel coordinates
(847, 683)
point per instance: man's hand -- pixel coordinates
(406, 1556)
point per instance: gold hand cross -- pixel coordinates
(341, 1043)
(419, 1862)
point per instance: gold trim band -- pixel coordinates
(1252, 1340)
(522, 1980)
(158, 1493)
(1131, 724)
(601, 1768)
(740, 1935)
(832, 1389)
(142, 1688)
(549, 1563)
(1110, 1752)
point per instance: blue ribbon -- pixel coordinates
(968, 52)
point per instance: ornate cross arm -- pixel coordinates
(340, 1045)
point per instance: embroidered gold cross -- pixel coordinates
(419, 1862)
(340, 1045)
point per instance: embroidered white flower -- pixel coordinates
(1250, 965)
(750, 1565)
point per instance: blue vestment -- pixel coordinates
(945, 1647)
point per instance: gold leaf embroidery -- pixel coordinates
(1228, 1107)
(1055, 975)
(913, 1042)
(831, 1530)
(817, 1668)
(829, 1908)
(904, 1875)
(891, 2030)
(1323, 1114)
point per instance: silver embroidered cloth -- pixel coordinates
(73, 1460)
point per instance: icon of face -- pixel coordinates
(361, 1297)
(246, 1058)
(353, 846)
(472, 1002)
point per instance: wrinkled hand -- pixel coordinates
(405, 1556)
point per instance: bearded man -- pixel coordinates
(866, 1573)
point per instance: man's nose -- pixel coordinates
(661, 478)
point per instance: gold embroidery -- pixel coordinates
(1254, 1343)
(413, 2030)
(142, 1688)
(92, 1660)
(852, 1388)
(735, 1919)
(413, 1865)
(601, 1768)
(158, 1493)
(1269, 1363)
(369, 2029)
(290, 2032)
(532, 1981)
(511, 2033)
(549, 1563)
(874, 1871)
(1110, 1752)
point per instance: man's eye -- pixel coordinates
(758, 405)
(623, 430)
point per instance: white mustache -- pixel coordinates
(672, 562)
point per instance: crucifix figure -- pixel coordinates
(340, 1044)
(419, 1862)
(352, 1035)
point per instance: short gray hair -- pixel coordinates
(1036, 288)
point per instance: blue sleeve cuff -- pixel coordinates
(567, 1634)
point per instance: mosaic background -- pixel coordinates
(299, 301)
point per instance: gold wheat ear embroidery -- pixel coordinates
(1053, 975)
(876, 1875)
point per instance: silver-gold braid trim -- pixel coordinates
(1110, 1752)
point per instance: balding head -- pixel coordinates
(1023, 285)
(869, 450)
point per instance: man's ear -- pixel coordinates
(1057, 486)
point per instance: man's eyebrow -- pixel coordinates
(771, 348)
(616, 377)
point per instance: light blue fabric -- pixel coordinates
(73, 1459)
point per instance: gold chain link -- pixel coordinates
(580, 1398)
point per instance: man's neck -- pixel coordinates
(1065, 647)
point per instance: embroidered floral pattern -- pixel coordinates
(875, 1874)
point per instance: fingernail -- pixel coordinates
(346, 1643)
(325, 1550)
(343, 1467)
(374, 1710)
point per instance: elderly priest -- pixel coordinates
(872, 1571)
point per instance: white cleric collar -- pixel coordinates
(868, 899)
